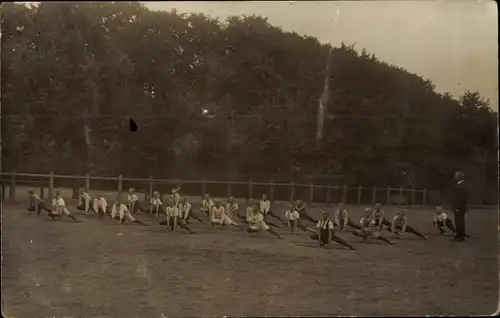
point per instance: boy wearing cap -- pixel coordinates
(176, 197)
(326, 232)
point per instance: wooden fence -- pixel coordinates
(243, 190)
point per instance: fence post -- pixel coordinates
(272, 191)
(412, 196)
(374, 195)
(12, 187)
(388, 199)
(250, 189)
(87, 183)
(292, 191)
(229, 190)
(311, 192)
(328, 194)
(359, 194)
(424, 197)
(150, 188)
(344, 193)
(51, 185)
(120, 188)
(42, 192)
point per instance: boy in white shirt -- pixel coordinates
(123, 213)
(326, 232)
(293, 219)
(133, 202)
(100, 206)
(207, 205)
(369, 228)
(300, 206)
(256, 222)
(84, 201)
(265, 208)
(341, 219)
(176, 197)
(155, 204)
(400, 224)
(37, 204)
(378, 216)
(442, 220)
(59, 207)
(172, 221)
(185, 211)
(232, 208)
(219, 216)
(248, 212)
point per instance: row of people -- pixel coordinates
(178, 212)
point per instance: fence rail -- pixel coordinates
(243, 190)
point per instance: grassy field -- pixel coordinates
(98, 268)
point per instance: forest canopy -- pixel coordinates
(67, 66)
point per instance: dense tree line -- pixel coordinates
(67, 66)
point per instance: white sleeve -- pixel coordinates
(123, 208)
(336, 217)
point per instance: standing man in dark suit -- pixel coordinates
(459, 205)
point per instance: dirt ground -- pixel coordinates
(98, 268)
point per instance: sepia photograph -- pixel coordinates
(249, 159)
